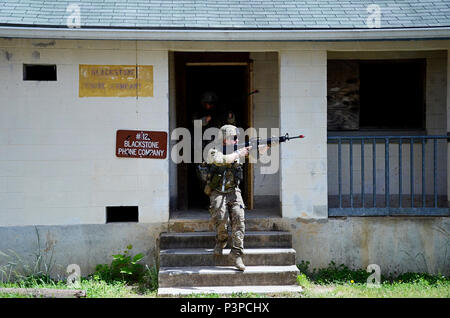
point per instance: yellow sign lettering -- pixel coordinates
(115, 81)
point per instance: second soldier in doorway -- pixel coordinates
(211, 112)
(225, 174)
(210, 115)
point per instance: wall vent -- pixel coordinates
(122, 214)
(39, 72)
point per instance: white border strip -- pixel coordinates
(227, 35)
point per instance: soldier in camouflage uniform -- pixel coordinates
(225, 195)
(211, 113)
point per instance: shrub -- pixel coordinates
(334, 274)
(409, 277)
(304, 267)
(124, 267)
(343, 274)
(340, 274)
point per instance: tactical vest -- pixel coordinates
(221, 178)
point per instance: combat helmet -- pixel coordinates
(209, 97)
(229, 131)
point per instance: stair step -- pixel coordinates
(205, 257)
(228, 290)
(227, 276)
(257, 239)
(253, 222)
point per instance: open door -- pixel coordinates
(248, 192)
(229, 75)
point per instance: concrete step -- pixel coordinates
(205, 257)
(203, 224)
(229, 290)
(227, 276)
(258, 239)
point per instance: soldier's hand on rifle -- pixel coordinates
(243, 152)
(263, 149)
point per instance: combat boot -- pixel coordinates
(218, 249)
(237, 261)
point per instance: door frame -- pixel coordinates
(182, 61)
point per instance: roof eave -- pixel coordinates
(432, 33)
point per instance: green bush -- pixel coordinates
(418, 278)
(124, 267)
(339, 274)
(334, 274)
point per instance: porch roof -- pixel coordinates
(230, 16)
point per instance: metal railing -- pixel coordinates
(392, 204)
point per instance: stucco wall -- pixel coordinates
(396, 244)
(86, 245)
(57, 151)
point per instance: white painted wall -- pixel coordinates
(57, 151)
(303, 104)
(57, 161)
(266, 114)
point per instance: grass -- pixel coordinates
(342, 282)
(123, 278)
(419, 288)
(233, 295)
(386, 290)
(13, 295)
(94, 288)
(330, 282)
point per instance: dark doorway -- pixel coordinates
(389, 90)
(365, 95)
(225, 74)
(229, 84)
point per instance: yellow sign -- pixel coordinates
(115, 81)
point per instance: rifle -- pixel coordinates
(256, 142)
(203, 169)
(269, 141)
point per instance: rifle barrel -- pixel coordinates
(299, 136)
(268, 140)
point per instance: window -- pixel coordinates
(39, 72)
(376, 94)
(122, 214)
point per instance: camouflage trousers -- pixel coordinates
(230, 206)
